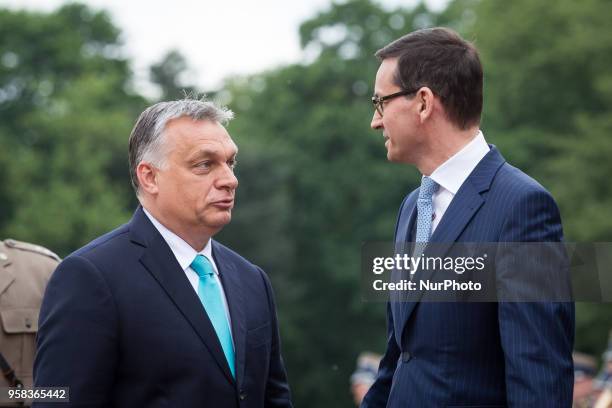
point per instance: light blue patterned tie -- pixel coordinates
(209, 293)
(424, 213)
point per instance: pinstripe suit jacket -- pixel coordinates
(480, 354)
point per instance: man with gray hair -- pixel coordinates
(156, 313)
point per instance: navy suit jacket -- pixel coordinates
(121, 325)
(480, 354)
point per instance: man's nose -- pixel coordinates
(376, 121)
(227, 180)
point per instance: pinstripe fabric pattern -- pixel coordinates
(480, 354)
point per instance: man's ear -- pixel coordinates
(425, 98)
(147, 177)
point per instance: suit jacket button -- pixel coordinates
(406, 356)
(243, 395)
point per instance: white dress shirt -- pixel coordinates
(451, 174)
(185, 254)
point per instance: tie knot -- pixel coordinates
(428, 188)
(202, 266)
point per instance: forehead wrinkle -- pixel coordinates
(213, 152)
(205, 152)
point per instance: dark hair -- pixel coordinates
(443, 61)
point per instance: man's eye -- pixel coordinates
(232, 163)
(203, 165)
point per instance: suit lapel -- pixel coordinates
(463, 207)
(406, 219)
(160, 262)
(461, 210)
(457, 216)
(230, 279)
(467, 201)
(405, 225)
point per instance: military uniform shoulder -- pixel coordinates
(26, 246)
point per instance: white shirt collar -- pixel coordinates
(453, 172)
(184, 253)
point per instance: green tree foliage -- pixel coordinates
(314, 180)
(65, 113)
(168, 74)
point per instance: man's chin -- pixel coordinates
(222, 219)
(396, 157)
(391, 156)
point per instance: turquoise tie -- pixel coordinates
(424, 214)
(209, 293)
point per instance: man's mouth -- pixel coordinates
(225, 204)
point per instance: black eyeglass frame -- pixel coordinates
(377, 101)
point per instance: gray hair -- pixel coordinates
(147, 138)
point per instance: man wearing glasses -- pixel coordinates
(428, 103)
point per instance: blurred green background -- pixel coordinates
(314, 180)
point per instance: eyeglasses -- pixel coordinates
(378, 101)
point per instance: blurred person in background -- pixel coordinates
(605, 377)
(603, 382)
(364, 375)
(585, 369)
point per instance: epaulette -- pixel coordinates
(25, 246)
